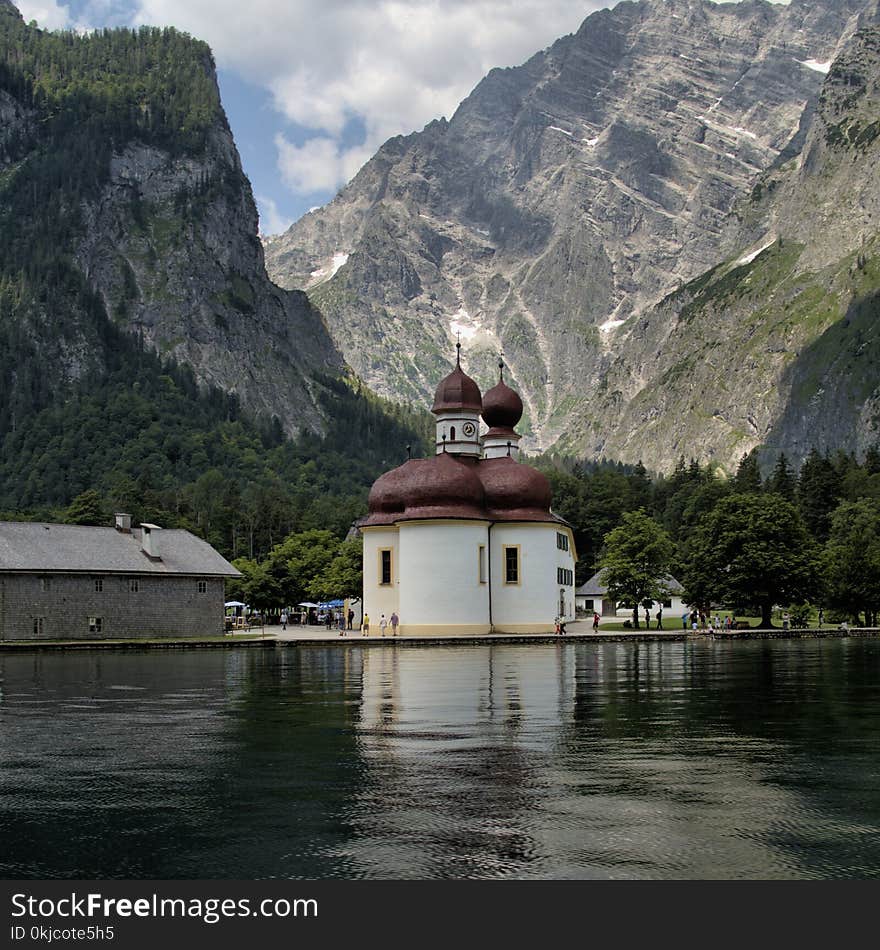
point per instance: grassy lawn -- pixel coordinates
(673, 624)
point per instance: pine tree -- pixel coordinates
(818, 493)
(783, 481)
(748, 475)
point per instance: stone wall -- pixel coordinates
(126, 606)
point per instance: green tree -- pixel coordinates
(748, 475)
(751, 551)
(87, 508)
(818, 493)
(257, 588)
(782, 480)
(344, 575)
(852, 560)
(636, 560)
(300, 560)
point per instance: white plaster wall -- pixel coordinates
(565, 559)
(536, 598)
(439, 579)
(379, 599)
(461, 446)
(496, 448)
(669, 613)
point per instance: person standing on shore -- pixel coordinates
(366, 625)
(383, 624)
(821, 617)
(660, 619)
(283, 619)
(595, 622)
(395, 620)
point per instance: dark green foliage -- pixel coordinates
(87, 508)
(636, 559)
(852, 561)
(751, 551)
(748, 475)
(149, 441)
(818, 493)
(783, 480)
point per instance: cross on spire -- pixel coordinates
(501, 366)
(458, 348)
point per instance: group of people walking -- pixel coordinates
(699, 620)
(384, 622)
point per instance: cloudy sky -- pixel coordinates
(313, 87)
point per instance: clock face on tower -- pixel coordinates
(468, 429)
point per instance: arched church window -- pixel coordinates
(452, 434)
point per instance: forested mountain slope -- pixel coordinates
(123, 203)
(146, 361)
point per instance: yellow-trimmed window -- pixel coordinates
(386, 566)
(511, 564)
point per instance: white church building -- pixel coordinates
(465, 543)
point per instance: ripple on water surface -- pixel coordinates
(707, 760)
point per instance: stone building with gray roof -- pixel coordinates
(72, 582)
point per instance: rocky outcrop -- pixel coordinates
(171, 246)
(778, 345)
(563, 200)
(123, 198)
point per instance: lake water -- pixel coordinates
(582, 760)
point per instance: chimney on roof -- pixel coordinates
(123, 522)
(150, 541)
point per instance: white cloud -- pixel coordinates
(320, 164)
(272, 221)
(49, 14)
(393, 64)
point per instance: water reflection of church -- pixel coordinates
(465, 542)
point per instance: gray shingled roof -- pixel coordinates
(45, 548)
(594, 588)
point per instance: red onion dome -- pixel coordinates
(502, 407)
(457, 391)
(514, 491)
(388, 494)
(444, 487)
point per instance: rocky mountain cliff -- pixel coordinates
(778, 345)
(122, 199)
(562, 202)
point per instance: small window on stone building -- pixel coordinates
(561, 541)
(45, 584)
(452, 434)
(99, 585)
(511, 564)
(133, 585)
(667, 603)
(203, 587)
(96, 624)
(38, 626)
(481, 563)
(385, 566)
